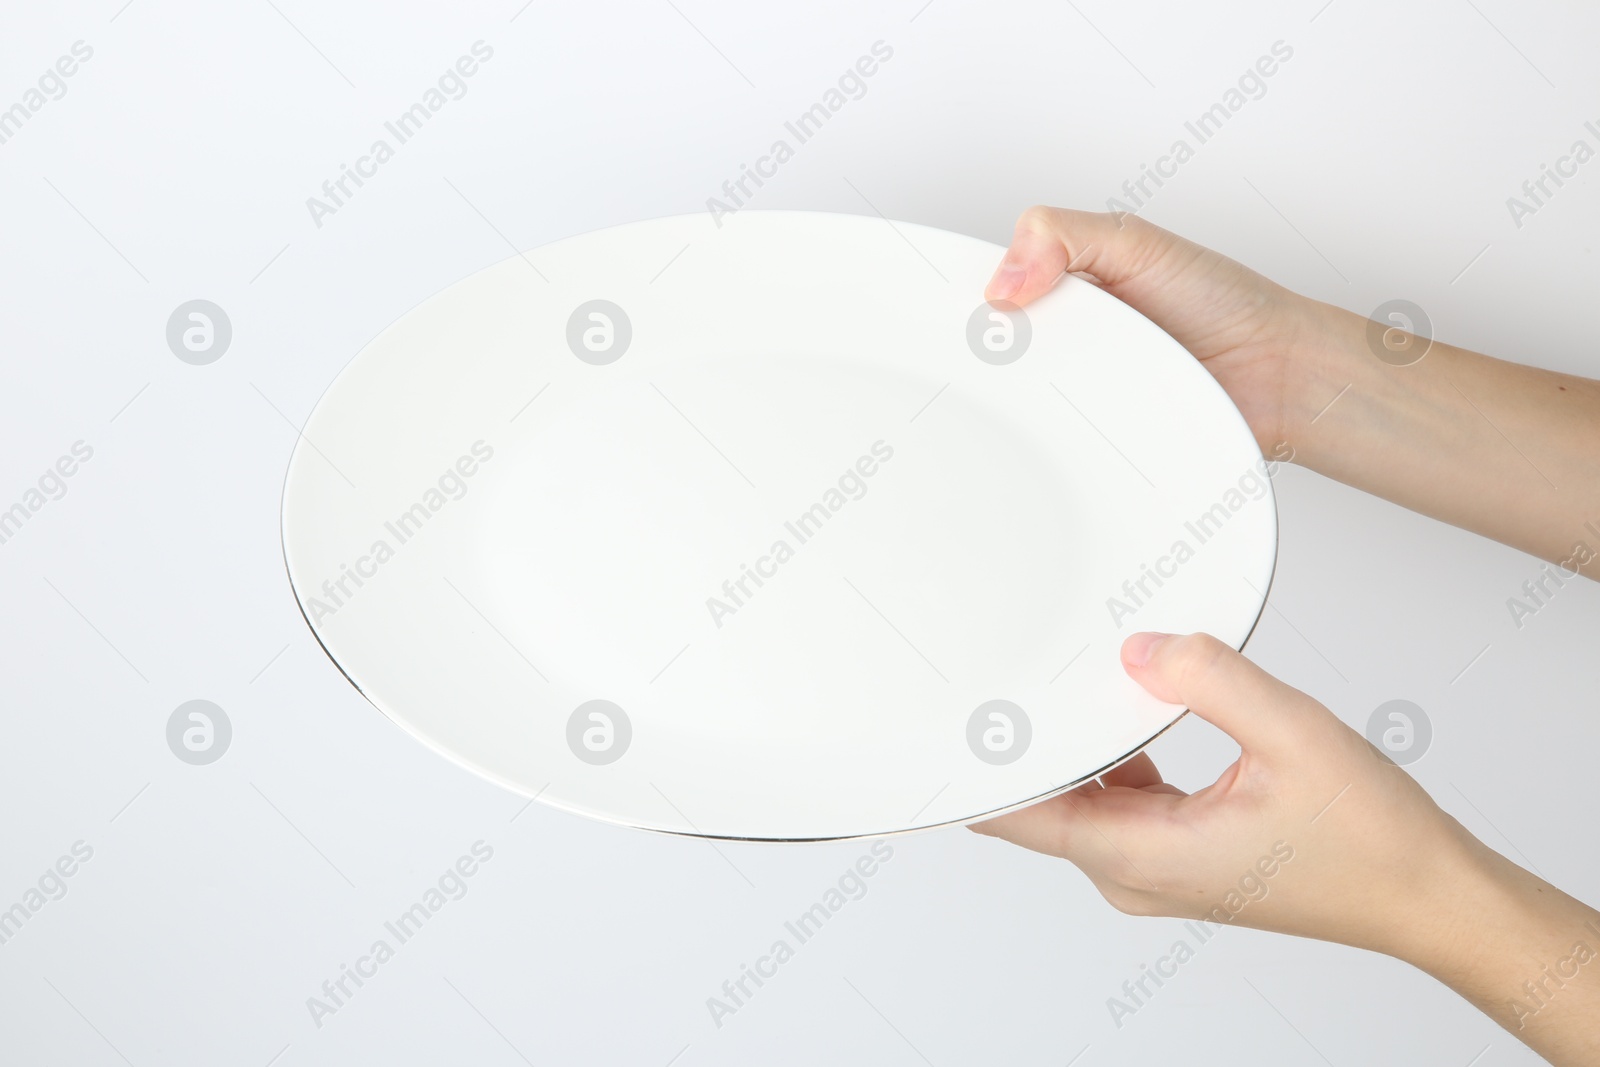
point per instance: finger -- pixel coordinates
(1050, 826)
(1048, 242)
(1041, 827)
(1137, 773)
(1262, 714)
(1091, 829)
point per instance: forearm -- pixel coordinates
(1523, 952)
(1507, 451)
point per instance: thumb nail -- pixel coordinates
(1137, 650)
(1006, 283)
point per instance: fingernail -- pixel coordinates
(1005, 284)
(1137, 650)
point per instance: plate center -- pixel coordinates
(712, 538)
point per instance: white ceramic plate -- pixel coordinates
(771, 530)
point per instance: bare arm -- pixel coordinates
(1525, 954)
(1313, 832)
(1508, 451)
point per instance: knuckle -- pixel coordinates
(1041, 218)
(1195, 656)
(1145, 243)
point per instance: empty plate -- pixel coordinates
(771, 529)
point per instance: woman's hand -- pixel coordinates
(1504, 450)
(1314, 832)
(1240, 326)
(1310, 811)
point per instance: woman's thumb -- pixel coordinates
(1049, 241)
(1222, 687)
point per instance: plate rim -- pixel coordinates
(610, 819)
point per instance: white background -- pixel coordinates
(177, 167)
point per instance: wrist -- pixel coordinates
(1471, 897)
(1327, 361)
(1498, 934)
